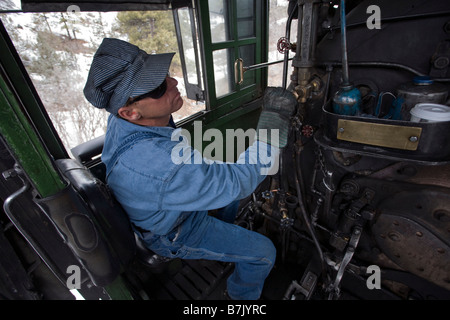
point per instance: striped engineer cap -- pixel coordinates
(121, 70)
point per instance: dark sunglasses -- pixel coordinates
(154, 94)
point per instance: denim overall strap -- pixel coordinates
(126, 145)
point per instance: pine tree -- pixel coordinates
(152, 31)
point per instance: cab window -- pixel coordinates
(231, 41)
(56, 49)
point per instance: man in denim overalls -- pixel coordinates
(168, 201)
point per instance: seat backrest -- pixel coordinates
(110, 221)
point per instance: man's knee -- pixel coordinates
(268, 250)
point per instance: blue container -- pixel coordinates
(347, 101)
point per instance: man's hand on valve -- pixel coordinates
(278, 107)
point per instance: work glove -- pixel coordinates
(278, 107)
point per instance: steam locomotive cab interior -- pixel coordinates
(360, 206)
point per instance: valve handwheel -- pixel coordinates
(283, 45)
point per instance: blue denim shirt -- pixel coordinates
(158, 193)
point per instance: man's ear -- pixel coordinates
(129, 113)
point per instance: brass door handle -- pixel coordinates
(239, 71)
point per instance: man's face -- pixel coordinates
(170, 102)
(154, 112)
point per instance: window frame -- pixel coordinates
(194, 91)
(242, 93)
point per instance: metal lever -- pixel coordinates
(353, 243)
(17, 172)
(240, 70)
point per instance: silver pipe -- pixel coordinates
(263, 65)
(345, 76)
(391, 65)
(286, 54)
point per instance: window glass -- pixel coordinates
(188, 45)
(185, 24)
(222, 71)
(245, 18)
(57, 50)
(219, 20)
